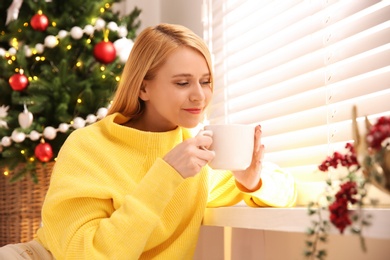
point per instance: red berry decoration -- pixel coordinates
(39, 22)
(104, 52)
(44, 152)
(18, 81)
(378, 132)
(339, 215)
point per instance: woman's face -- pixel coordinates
(179, 93)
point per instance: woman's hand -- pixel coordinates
(250, 177)
(191, 155)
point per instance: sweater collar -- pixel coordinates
(143, 139)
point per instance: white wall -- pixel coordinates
(184, 12)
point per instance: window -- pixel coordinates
(297, 68)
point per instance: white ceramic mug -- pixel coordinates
(233, 146)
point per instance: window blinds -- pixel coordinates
(297, 68)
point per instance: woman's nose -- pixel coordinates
(197, 93)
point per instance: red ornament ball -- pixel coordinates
(104, 52)
(18, 82)
(39, 22)
(44, 152)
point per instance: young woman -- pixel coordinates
(135, 184)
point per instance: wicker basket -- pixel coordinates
(20, 205)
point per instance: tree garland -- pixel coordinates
(123, 45)
(49, 132)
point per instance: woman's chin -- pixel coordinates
(190, 125)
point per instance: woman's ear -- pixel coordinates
(143, 94)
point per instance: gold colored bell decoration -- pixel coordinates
(375, 161)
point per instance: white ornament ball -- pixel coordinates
(49, 133)
(78, 122)
(76, 32)
(91, 119)
(89, 29)
(99, 24)
(124, 55)
(122, 31)
(27, 51)
(63, 127)
(102, 112)
(18, 137)
(2, 52)
(6, 141)
(34, 135)
(119, 45)
(112, 26)
(51, 41)
(39, 47)
(12, 51)
(62, 34)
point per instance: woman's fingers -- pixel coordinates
(204, 143)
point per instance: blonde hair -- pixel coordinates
(150, 51)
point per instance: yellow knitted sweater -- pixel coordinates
(111, 196)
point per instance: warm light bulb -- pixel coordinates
(79, 100)
(35, 78)
(69, 47)
(6, 173)
(14, 43)
(78, 64)
(88, 41)
(31, 159)
(25, 24)
(117, 78)
(37, 58)
(22, 151)
(102, 68)
(107, 5)
(102, 10)
(40, 12)
(54, 24)
(103, 76)
(43, 58)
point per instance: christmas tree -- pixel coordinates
(60, 62)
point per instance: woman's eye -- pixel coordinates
(206, 83)
(182, 83)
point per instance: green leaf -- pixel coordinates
(310, 231)
(309, 243)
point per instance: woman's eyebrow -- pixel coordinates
(189, 75)
(182, 75)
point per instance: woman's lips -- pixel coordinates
(194, 110)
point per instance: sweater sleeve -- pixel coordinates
(278, 189)
(80, 218)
